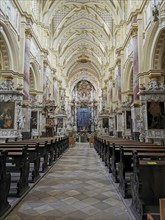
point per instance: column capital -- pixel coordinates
(110, 78)
(45, 63)
(154, 74)
(136, 103)
(118, 61)
(28, 33)
(134, 29)
(54, 71)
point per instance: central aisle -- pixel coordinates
(75, 188)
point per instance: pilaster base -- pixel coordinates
(135, 135)
(26, 135)
(119, 133)
(111, 133)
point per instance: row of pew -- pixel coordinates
(139, 170)
(22, 162)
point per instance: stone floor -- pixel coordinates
(77, 187)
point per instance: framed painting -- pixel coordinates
(128, 119)
(105, 123)
(60, 122)
(7, 110)
(83, 117)
(156, 115)
(34, 119)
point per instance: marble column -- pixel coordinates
(135, 67)
(54, 89)
(45, 83)
(28, 36)
(135, 107)
(119, 124)
(119, 81)
(111, 93)
(115, 124)
(75, 118)
(26, 108)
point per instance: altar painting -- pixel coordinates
(84, 118)
(156, 115)
(7, 115)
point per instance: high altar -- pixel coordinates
(84, 109)
(83, 136)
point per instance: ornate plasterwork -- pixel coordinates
(83, 34)
(7, 85)
(77, 48)
(156, 96)
(154, 85)
(83, 75)
(127, 104)
(59, 15)
(78, 23)
(84, 95)
(85, 8)
(89, 67)
(9, 97)
(82, 27)
(8, 134)
(84, 88)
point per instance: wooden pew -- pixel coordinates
(5, 179)
(162, 208)
(49, 148)
(126, 168)
(159, 216)
(147, 186)
(42, 150)
(16, 160)
(104, 147)
(18, 165)
(33, 156)
(115, 157)
(55, 147)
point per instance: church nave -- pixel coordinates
(76, 187)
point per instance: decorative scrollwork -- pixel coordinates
(7, 85)
(155, 85)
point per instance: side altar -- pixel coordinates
(11, 121)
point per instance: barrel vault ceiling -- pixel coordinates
(82, 33)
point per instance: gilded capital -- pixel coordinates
(155, 74)
(28, 33)
(134, 29)
(54, 71)
(110, 77)
(118, 61)
(45, 63)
